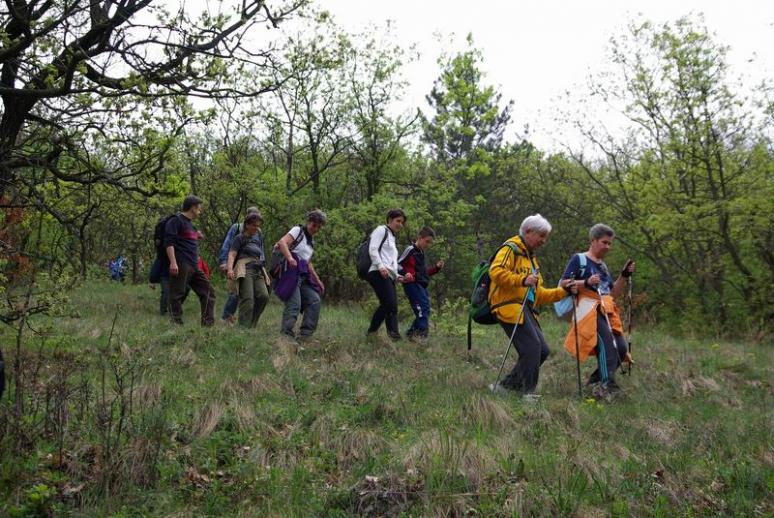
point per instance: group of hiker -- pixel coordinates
(180, 269)
(515, 286)
(288, 272)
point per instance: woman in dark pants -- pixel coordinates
(516, 288)
(600, 328)
(383, 273)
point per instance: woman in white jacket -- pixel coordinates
(383, 273)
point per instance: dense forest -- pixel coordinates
(112, 113)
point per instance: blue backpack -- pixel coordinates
(564, 307)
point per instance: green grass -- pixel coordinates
(230, 422)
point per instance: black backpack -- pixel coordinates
(363, 258)
(158, 233)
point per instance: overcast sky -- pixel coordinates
(535, 51)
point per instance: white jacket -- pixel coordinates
(388, 255)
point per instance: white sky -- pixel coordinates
(535, 51)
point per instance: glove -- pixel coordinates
(625, 271)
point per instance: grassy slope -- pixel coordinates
(250, 428)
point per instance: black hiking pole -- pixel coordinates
(629, 323)
(577, 342)
(510, 341)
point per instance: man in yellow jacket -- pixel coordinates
(600, 329)
(515, 275)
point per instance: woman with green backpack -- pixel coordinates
(516, 288)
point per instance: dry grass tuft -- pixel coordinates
(437, 452)
(357, 446)
(709, 384)
(664, 432)
(486, 411)
(244, 413)
(147, 395)
(142, 458)
(183, 357)
(284, 352)
(208, 419)
(688, 387)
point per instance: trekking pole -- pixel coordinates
(577, 342)
(629, 323)
(513, 335)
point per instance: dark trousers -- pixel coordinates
(615, 348)
(164, 298)
(387, 311)
(533, 351)
(253, 296)
(189, 275)
(420, 305)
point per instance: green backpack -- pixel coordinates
(479, 310)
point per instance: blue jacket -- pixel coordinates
(226, 246)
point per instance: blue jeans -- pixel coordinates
(420, 304)
(230, 308)
(306, 300)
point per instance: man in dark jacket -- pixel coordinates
(412, 261)
(181, 243)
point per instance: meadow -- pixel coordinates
(119, 413)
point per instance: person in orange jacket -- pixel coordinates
(515, 275)
(597, 314)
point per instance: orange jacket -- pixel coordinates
(588, 300)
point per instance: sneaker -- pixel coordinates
(499, 389)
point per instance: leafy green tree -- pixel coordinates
(683, 183)
(375, 84)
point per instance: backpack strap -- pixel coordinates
(386, 230)
(582, 263)
(406, 253)
(515, 249)
(301, 236)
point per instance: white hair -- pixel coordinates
(536, 223)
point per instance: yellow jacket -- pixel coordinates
(507, 273)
